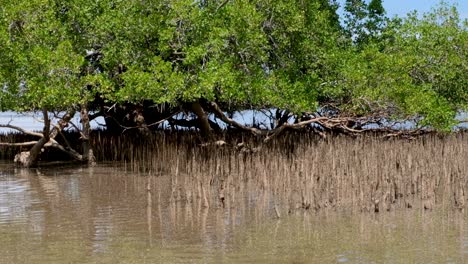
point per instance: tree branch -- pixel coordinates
(275, 132)
(147, 126)
(220, 114)
(322, 120)
(22, 144)
(71, 152)
(27, 132)
(77, 129)
(62, 123)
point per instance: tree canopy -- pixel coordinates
(230, 55)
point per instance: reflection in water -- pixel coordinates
(103, 229)
(18, 204)
(107, 215)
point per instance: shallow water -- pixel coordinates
(107, 214)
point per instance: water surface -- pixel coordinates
(107, 214)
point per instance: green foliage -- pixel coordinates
(420, 74)
(364, 22)
(291, 55)
(41, 59)
(255, 54)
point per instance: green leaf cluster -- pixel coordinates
(420, 73)
(243, 54)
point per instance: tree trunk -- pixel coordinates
(29, 158)
(203, 120)
(88, 155)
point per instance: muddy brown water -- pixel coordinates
(112, 214)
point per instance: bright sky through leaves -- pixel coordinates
(402, 7)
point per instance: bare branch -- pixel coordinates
(71, 152)
(306, 122)
(109, 108)
(27, 132)
(220, 114)
(324, 121)
(22, 144)
(275, 132)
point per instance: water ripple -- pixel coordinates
(15, 199)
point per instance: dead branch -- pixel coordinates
(51, 143)
(26, 132)
(22, 144)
